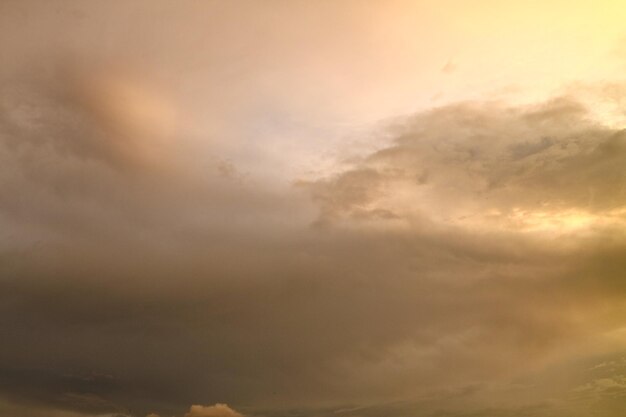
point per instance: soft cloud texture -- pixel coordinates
(418, 303)
(487, 162)
(168, 237)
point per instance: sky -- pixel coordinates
(312, 208)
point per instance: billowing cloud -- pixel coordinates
(532, 167)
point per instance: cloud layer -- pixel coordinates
(153, 255)
(438, 274)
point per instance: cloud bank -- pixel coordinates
(481, 245)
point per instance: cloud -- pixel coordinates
(217, 410)
(152, 290)
(529, 166)
(40, 410)
(471, 265)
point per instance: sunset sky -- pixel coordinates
(312, 208)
